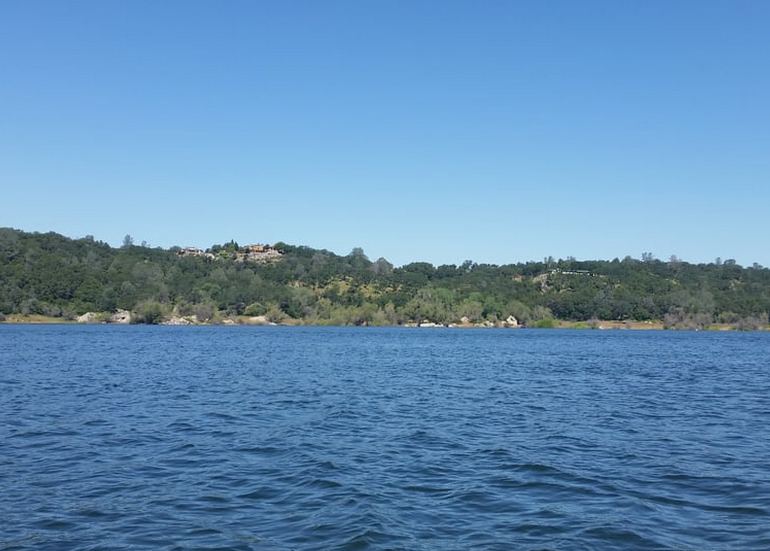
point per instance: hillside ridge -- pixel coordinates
(50, 275)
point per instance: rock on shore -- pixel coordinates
(88, 317)
(177, 320)
(121, 316)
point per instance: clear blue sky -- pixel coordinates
(497, 131)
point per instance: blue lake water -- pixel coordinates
(129, 437)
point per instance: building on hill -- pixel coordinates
(257, 253)
(194, 251)
(249, 253)
(190, 251)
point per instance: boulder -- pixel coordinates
(176, 320)
(258, 320)
(511, 321)
(88, 317)
(121, 316)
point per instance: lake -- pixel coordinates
(136, 437)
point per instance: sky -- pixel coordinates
(496, 131)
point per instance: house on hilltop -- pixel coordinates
(194, 251)
(249, 253)
(190, 251)
(257, 253)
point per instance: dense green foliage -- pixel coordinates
(53, 275)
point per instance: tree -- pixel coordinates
(46, 273)
(358, 252)
(204, 311)
(128, 241)
(471, 309)
(382, 267)
(467, 266)
(148, 311)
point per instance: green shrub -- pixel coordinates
(255, 309)
(204, 311)
(149, 312)
(752, 323)
(185, 308)
(275, 315)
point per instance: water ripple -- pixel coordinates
(325, 438)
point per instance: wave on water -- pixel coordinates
(382, 439)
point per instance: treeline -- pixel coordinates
(53, 275)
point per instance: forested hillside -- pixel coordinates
(52, 275)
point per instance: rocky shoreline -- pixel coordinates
(124, 317)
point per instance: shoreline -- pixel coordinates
(599, 325)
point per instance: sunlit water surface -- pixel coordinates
(327, 438)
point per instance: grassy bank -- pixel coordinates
(35, 318)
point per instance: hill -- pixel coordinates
(52, 275)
